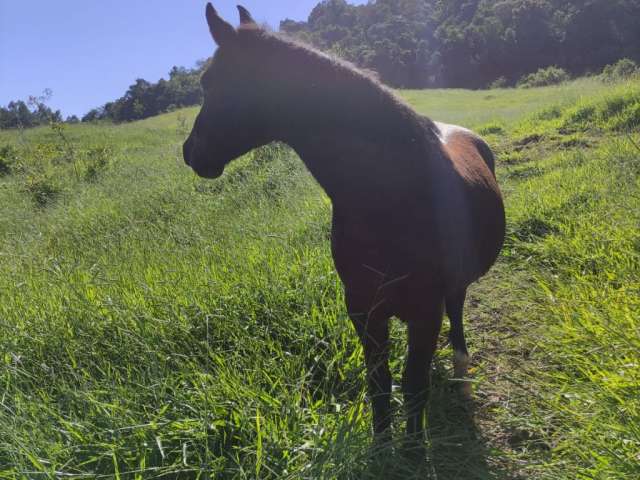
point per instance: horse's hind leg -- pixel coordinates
(455, 306)
(372, 325)
(423, 324)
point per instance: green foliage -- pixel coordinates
(55, 165)
(587, 276)
(390, 37)
(156, 325)
(97, 159)
(8, 157)
(502, 106)
(469, 43)
(43, 188)
(494, 128)
(34, 112)
(144, 99)
(623, 69)
(544, 77)
(550, 113)
(500, 82)
(618, 111)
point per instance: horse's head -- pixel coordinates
(232, 119)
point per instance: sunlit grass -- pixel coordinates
(474, 107)
(152, 323)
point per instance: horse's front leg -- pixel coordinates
(424, 320)
(372, 324)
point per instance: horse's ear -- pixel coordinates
(245, 16)
(221, 31)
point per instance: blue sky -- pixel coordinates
(89, 51)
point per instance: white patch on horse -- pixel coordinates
(445, 131)
(461, 363)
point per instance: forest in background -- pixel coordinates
(472, 43)
(416, 44)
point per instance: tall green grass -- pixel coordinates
(155, 325)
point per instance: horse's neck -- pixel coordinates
(354, 150)
(339, 162)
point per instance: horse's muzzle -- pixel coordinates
(198, 161)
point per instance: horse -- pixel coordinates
(417, 213)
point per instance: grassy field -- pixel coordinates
(156, 325)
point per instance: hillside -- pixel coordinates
(413, 44)
(471, 43)
(153, 323)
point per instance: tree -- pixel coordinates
(144, 99)
(470, 43)
(34, 112)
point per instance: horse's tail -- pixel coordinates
(485, 153)
(443, 130)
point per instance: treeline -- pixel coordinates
(33, 112)
(145, 99)
(471, 43)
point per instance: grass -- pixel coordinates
(503, 105)
(155, 325)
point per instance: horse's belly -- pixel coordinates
(471, 239)
(423, 251)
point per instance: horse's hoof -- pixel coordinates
(461, 363)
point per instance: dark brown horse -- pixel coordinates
(417, 213)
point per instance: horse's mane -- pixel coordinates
(362, 88)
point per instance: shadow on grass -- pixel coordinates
(456, 449)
